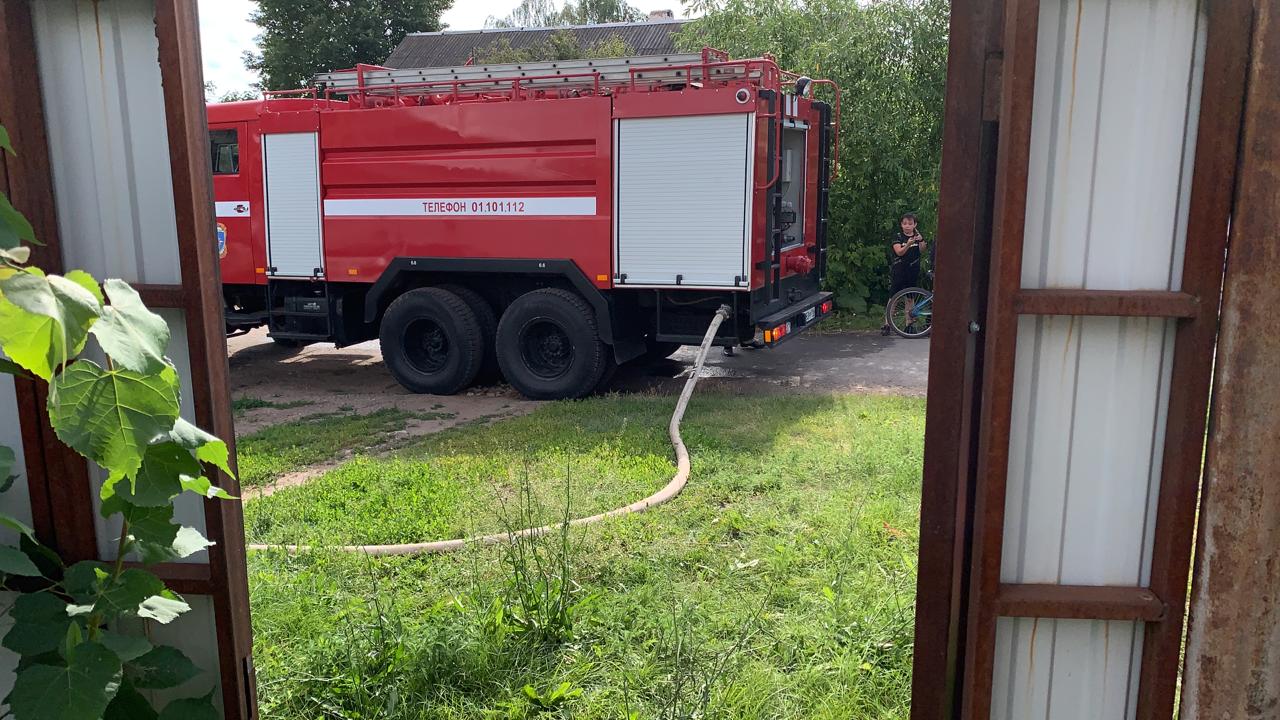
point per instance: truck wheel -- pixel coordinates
(431, 341)
(489, 371)
(549, 347)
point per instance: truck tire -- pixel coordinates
(549, 347)
(489, 371)
(431, 341)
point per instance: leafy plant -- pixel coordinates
(553, 697)
(890, 59)
(542, 600)
(71, 623)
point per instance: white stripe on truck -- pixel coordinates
(459, 207)
(231, 208)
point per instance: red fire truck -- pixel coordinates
(545, 221)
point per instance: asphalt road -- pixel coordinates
(845, 362)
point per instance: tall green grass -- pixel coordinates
(778, 585)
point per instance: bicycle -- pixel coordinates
(910, 312)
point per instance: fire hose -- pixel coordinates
(669, 491)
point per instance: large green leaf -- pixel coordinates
(79, 690)
(155, 535)
(208, 447)
(132, 335)
(44, 321)
(162, 668)
(201, 486)
(163, 608)
(16, 255)
(16, 525)
(126, 647)
(4, 141)
(110, 416)
(14, 227)
(7, 460)
(191, 709)
(126, 594)
(40, 623)
(189, 542)
(84, 580)
(86, 281)
(129, 704)
(15, 562)
(159, 478)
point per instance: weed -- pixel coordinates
(542, 600)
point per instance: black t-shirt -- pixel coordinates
(911, 257)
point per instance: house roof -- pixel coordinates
(455, 47)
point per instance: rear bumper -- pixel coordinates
(789, 321)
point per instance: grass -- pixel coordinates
(280, 449)
(778, 585)
(242, 405)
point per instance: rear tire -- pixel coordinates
(489, 371)
(431, 341)
(549, 347)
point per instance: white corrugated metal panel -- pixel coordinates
(683, 204)
(293, 203)
(1113, 129)
(17, 502)
(1089, 403)
(104, 110)
(1093, 666)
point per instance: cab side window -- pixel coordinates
(224, 149)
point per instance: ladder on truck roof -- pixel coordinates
(598, 73)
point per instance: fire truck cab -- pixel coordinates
(544, 221)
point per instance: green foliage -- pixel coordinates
(889, 58)
(79, 688)
(303, 37)
(75, 662)
(546, 13)
(562, 45)
(44, 321)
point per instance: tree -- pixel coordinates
(545, 13)
(303, 37)
(562, 45)
(211, 94)
(890, 59)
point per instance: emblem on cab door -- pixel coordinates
(222, 240)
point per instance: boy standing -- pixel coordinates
(904, 269)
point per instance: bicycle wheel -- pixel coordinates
(910, 312)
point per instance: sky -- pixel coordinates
(225, 32)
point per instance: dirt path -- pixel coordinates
(291, 384)
(320, 379)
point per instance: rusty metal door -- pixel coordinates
(1090, 151)
(149, 220)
